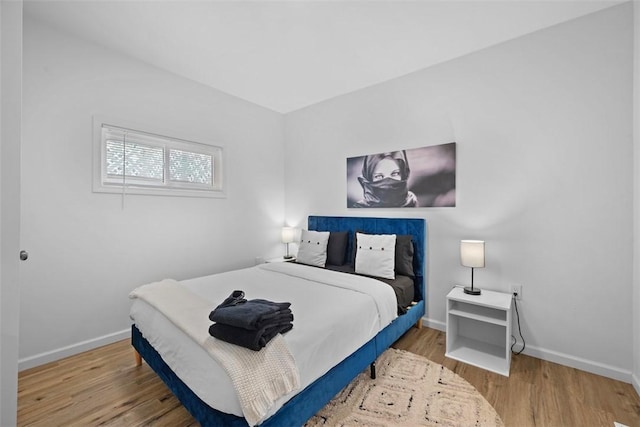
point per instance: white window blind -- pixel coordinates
(140, 162)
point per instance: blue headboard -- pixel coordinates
(402, 226)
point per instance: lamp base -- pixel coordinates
(471, 291)
(288, 257)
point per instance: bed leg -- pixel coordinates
(138, 358)
(419, 324)
(373, 370)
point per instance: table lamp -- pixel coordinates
(288, 236)
(472, 255)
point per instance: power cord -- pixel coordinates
(515, 301)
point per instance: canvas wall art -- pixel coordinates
(414, 178)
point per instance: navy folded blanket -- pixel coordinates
(250, 324)
(251, 339)
(253, 314)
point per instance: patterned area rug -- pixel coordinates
(409, 390)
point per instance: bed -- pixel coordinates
(294, 409)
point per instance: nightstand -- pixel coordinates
(279, 259)
(479, 329)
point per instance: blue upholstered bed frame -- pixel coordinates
(310, 400)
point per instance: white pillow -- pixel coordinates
(313, 248)
(375, 255)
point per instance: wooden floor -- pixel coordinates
(104, 387)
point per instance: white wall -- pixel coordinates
(10, 134)
(87, 252)
(544, 176)
(636, 204)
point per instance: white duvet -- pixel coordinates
(334, 314)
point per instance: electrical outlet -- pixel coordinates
(517, 289)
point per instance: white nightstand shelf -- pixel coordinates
(479, 329)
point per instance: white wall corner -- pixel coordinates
(434, 324)
(635, 299)
(11, 106)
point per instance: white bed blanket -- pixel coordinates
(259, 377)
(334, 314)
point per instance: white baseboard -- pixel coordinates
(70, 350)
(635, 381)
(579, 363)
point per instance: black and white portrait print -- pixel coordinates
(418, 177)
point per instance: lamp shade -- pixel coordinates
(288, 234)
(472, 253)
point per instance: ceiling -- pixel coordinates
(285, 55)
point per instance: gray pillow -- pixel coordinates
(337, 247)
(404, 256)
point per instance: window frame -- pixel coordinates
(170, 139)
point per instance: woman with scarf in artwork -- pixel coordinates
(384, 181)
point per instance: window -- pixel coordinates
(132, 161)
